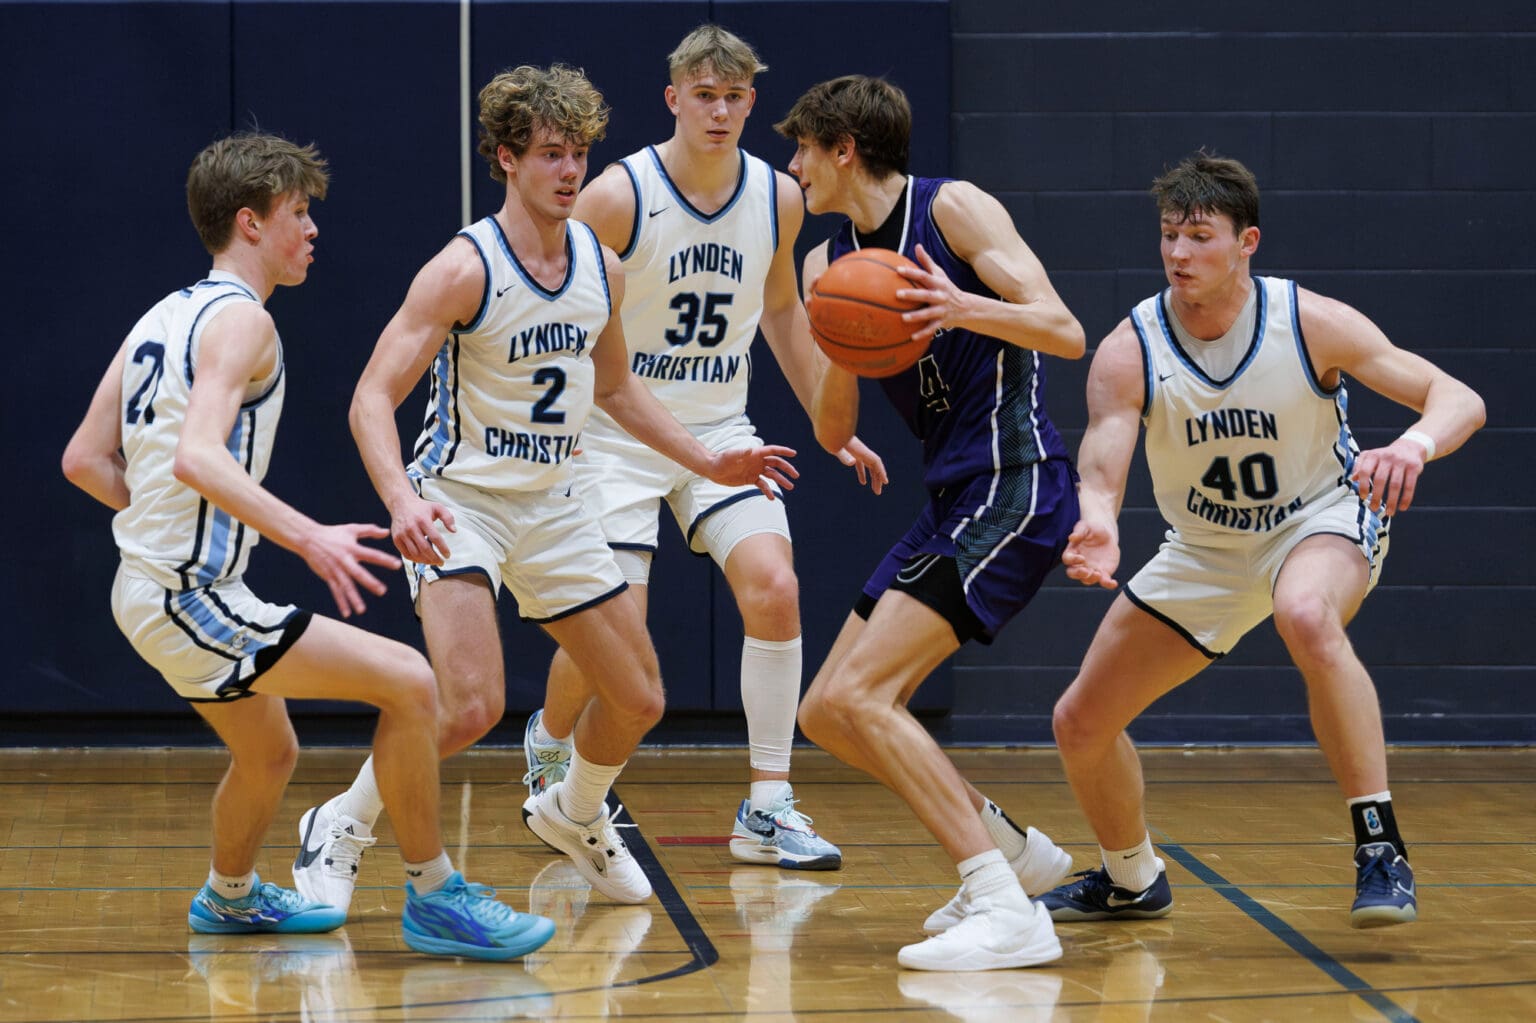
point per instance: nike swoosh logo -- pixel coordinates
(502, 291)
(306, 854)
(1119, 902)
(915, 571)
(1160, 379)
(655, 213)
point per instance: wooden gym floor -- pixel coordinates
(100, 851)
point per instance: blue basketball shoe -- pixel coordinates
(548, 762)
(464, 919)
(1093, 896)
(783, 837)
(1383, 887)
(267, 910)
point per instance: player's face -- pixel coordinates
(287, 236)
(813, 166)
(711, 109)
(549, 174)
(1204, 253)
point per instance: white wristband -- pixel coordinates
(1422, 439)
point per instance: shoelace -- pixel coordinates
(1378, 877)
(787, 816)
(480, 901)
(346, 849)
(283, 899)
(544, 770)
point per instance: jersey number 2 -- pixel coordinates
(142, 404)
(555, 378)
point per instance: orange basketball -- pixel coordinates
(856, 316)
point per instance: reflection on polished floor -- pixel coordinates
(100, 851)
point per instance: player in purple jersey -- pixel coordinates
(1001, 498)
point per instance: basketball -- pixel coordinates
(856, 316)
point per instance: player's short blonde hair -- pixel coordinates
(710, 47)
(517, 103)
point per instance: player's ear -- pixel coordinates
(844, 148)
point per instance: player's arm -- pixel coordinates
(237, 348)
(788, 331)
(1342, 339)
(607, 206)
(1028, 312)
(1116, 396)
(93, 459)
(445, 295)
(835, 407)
(623, 396)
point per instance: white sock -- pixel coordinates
(229, 886)
(580, 797)
(1004, 832)
(770, 695)
(431, 875)
(542, 734)
(1133, 869)
(768, 795)
(362, 801)
(986, 874)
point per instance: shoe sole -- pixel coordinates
(530, 940)
(1066, 914)
(749, 851)
(535, 821)
(1382, 916)
(1037, 954)
(317, 923)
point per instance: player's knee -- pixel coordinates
(1310, 628)
(272, 759)
(466, 716)
(410, 689)
(1074, 727)
(771, 604)
(831, 711)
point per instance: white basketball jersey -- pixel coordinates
(693, 289)
(510, 393)
(1236, 457)
(169, 532)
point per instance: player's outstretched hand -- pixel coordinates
(1390, 475)
(1092, 555)
(413, 528)
(762, 467)
(338, 556)
(943, 300)
(868, 465)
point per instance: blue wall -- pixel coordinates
(116, 99)
(1395, 165)
(1395, 161)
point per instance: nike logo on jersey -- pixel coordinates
(502, 291)
(1163, 376)
(657, 213)
(914, 571)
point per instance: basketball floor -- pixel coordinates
(101, 850)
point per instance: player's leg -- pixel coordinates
(263, 751)
(856, 710)
(444, 915)
(749, 539)
(1134, 658)
(547, 742)
(608, 644)
(1319, 589)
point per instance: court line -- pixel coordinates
(701, 952)
(1288, 934)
